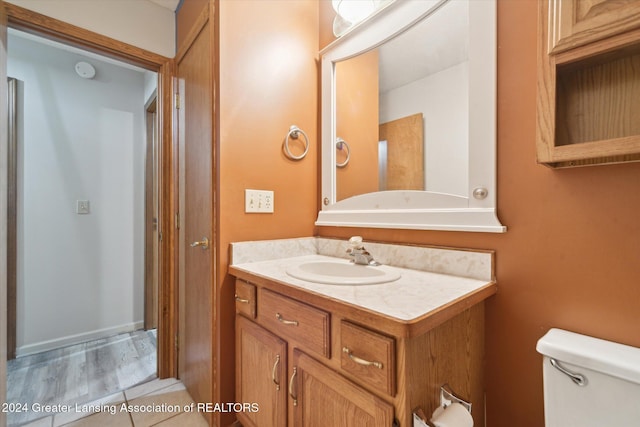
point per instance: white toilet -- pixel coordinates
(589, 382)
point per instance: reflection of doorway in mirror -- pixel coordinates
(404, 154)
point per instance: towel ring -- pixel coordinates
(340, 144)
(294, 133)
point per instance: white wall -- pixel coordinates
(140, 23)
(79, 276)
(443, 98)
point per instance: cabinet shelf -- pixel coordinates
(588, 99)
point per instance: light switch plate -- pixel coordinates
(83, 207)
(258, 201)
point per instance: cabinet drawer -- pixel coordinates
(369, 356)
(295, 321)
(246, 299)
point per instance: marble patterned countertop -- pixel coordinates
(431, 278)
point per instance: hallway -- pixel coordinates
(79, 373)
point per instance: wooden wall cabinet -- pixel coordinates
(309, 361)
(588, 106)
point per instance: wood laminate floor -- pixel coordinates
(79, 373)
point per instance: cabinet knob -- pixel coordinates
(480, 193)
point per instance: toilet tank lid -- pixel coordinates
(618, 360)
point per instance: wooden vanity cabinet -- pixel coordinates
(310, 361)
(261, 374)
(323, 398)
(317, 395)
(588, 107)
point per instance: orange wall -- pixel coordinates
(357, 123)
(570, 257)
(268, 81)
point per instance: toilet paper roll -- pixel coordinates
(454, 415)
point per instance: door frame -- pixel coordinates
(32, 22)
(12, 196)
(151, 199)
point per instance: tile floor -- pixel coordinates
(164, 403)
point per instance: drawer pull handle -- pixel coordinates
(360, 361)
(273, 372)
(293, 377)
(285, 321)
(242, 300)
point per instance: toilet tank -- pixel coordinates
(610, 391)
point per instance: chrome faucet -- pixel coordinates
(359, 255)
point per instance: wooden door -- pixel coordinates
(261, 374)
(323, 398)
(195, 330)
(405, 153)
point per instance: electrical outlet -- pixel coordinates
(82, 207)
(258, 201)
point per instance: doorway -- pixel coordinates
(79, 218)
(22, 19)
(80, 188)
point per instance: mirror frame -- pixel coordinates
(420, 210)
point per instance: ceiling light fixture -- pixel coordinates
(351, 12)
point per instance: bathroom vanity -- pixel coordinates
(334, 354)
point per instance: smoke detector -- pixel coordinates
(85, 70)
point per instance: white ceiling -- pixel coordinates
(437, 43)
(169, 4)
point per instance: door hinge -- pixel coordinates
(177, 101)
(178, 220)
(160, 236)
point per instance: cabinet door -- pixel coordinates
(588, 96)
(261, 370)
(322, 398)
(578, 22)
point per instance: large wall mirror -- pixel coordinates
(409, 119)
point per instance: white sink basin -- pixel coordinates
(342, 273)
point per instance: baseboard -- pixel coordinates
(39, 347)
